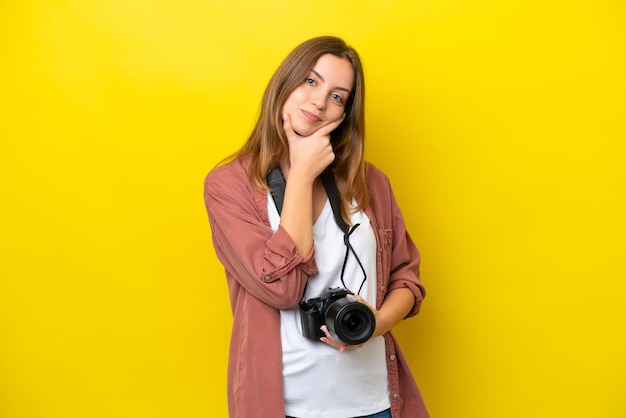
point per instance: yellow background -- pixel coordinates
(500, 123)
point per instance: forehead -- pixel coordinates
(335, 70)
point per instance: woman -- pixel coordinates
(283, 249)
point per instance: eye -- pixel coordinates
(337, 98)
(309, 81)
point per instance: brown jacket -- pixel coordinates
(265, 273)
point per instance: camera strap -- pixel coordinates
(277, 184)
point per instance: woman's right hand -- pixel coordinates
(310, 155)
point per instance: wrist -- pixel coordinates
(396, 306)
(301, 176)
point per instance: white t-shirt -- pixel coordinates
(320, 381)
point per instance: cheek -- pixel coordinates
(296, 97)
(335, 113)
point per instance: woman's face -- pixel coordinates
(322, 96)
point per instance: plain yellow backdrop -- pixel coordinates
(500, 123)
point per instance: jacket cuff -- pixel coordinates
(283, 255)
(417, 293)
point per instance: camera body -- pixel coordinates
(348, 321)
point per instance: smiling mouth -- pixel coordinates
(310, 116)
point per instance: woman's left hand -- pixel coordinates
(330, 340)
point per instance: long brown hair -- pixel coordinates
(267, 143)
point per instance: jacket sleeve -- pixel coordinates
(265, 263)
(405, 261)
(400, 257)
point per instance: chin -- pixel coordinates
(303, 130)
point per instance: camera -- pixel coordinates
(348, 321)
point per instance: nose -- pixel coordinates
(319, 101)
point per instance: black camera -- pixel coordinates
(348, 321)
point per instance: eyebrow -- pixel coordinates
(322, 78)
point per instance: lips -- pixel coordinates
(310, 116)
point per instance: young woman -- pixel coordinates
(283, 250)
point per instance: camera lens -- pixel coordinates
(350, 321)
(353, 322)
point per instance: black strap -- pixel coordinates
(335, 200)
(277, 184)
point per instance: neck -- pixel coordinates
(285, 165)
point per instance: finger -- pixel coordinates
(349, 347)
(331, 342)
(325, 130)
(355, 297)
(328, 339)
(359, 299)
(287, 126)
